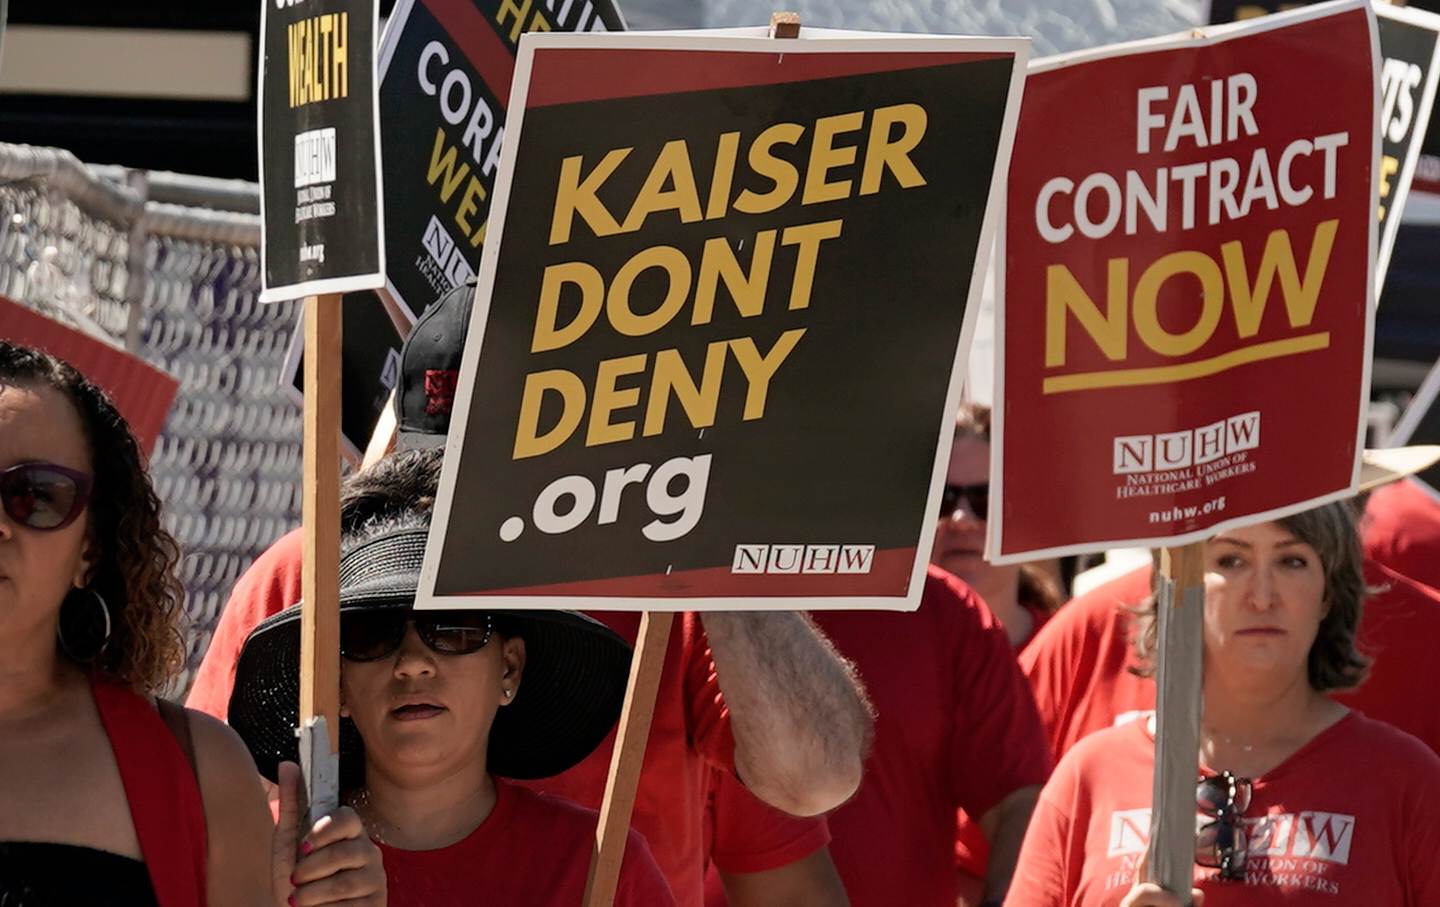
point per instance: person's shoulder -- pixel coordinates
(1090, 615)
(1381, 743)
(276, 572)
(1110, 743)
(221, 758)
(947, 598)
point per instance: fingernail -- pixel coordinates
(293, 883)
(292, 900)
(306, 847)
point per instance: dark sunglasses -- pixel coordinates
(43, 496)
(976, 496)
(373, 635)
(1222, 844)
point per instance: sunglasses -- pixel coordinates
(43, 496)
(976, 497)
(1222, 844)
(372, 636)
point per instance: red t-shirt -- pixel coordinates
(955, 727)
(1401, 530)
(1352, 817)
(532, 850)
(689, 734)
(1077, 665)
(972, 850)
(743, 834)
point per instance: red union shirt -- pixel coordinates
(1352, 817)
(531, 849)
(955, 727)
(1077, 664)
(744, 835)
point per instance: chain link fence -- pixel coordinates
(169, 267)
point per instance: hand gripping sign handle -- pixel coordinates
(320, 571)
(1180, 611)
(620, 786)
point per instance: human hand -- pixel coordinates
(337, 860)
(1148, 894)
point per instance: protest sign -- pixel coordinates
(1410, 52)
(445, 70)
(369, 366)
(142, 393)
(722, 310)
(1184, 311)
(320, 199)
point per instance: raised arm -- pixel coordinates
(800, 718)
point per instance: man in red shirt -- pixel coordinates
(760, 695)
(1078, 664)
(955, 727)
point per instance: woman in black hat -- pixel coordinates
(438, 709)
(109, 795)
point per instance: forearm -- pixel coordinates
(1005, 826)
(800, 718)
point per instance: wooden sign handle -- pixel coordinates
(320, 514)
(627, 758)
(1180, 611)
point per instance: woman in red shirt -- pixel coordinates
(109, 795)
(439, 709)
(1301, 800)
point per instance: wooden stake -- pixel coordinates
(627, 758)
(784, 25)
(1180, 610)
(320, 512)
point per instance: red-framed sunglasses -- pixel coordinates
(44, 496)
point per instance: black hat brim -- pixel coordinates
(570, 695)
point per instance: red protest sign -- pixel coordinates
(141, 392)
(1189, 260)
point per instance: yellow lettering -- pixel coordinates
(719, 261)
(469, 204)
(578, 196)
(760, 369)
(672, 167)
(808, 238)
(1147, 291)
(608, 398)
(778, 170)
(1063, 293)
(1278, 259)
(529, 442)
(592, 296)
(672, 377)
(677, 272)
(824, 157)
(882, 152)
(445, 163)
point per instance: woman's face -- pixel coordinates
(425, 715)
(1264, 600)
(39, 424)
(960, 538)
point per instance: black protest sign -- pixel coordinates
(369, 366)
(1409, 42)
(320, 197)
(445, 70)
(719, 335)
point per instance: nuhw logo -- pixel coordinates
(1193, 447)
(803, 559)
(1129, 832)
(1309, 835)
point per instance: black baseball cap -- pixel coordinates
(430, 369)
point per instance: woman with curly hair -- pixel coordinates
(106, 794)
(1300, 800)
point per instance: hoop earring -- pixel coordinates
(104, 639)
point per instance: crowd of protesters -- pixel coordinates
(995, 746)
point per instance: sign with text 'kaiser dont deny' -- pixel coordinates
(1186, 308)
(722, 309)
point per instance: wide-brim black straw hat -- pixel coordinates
(570, 694)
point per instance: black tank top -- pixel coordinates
(63, 875)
